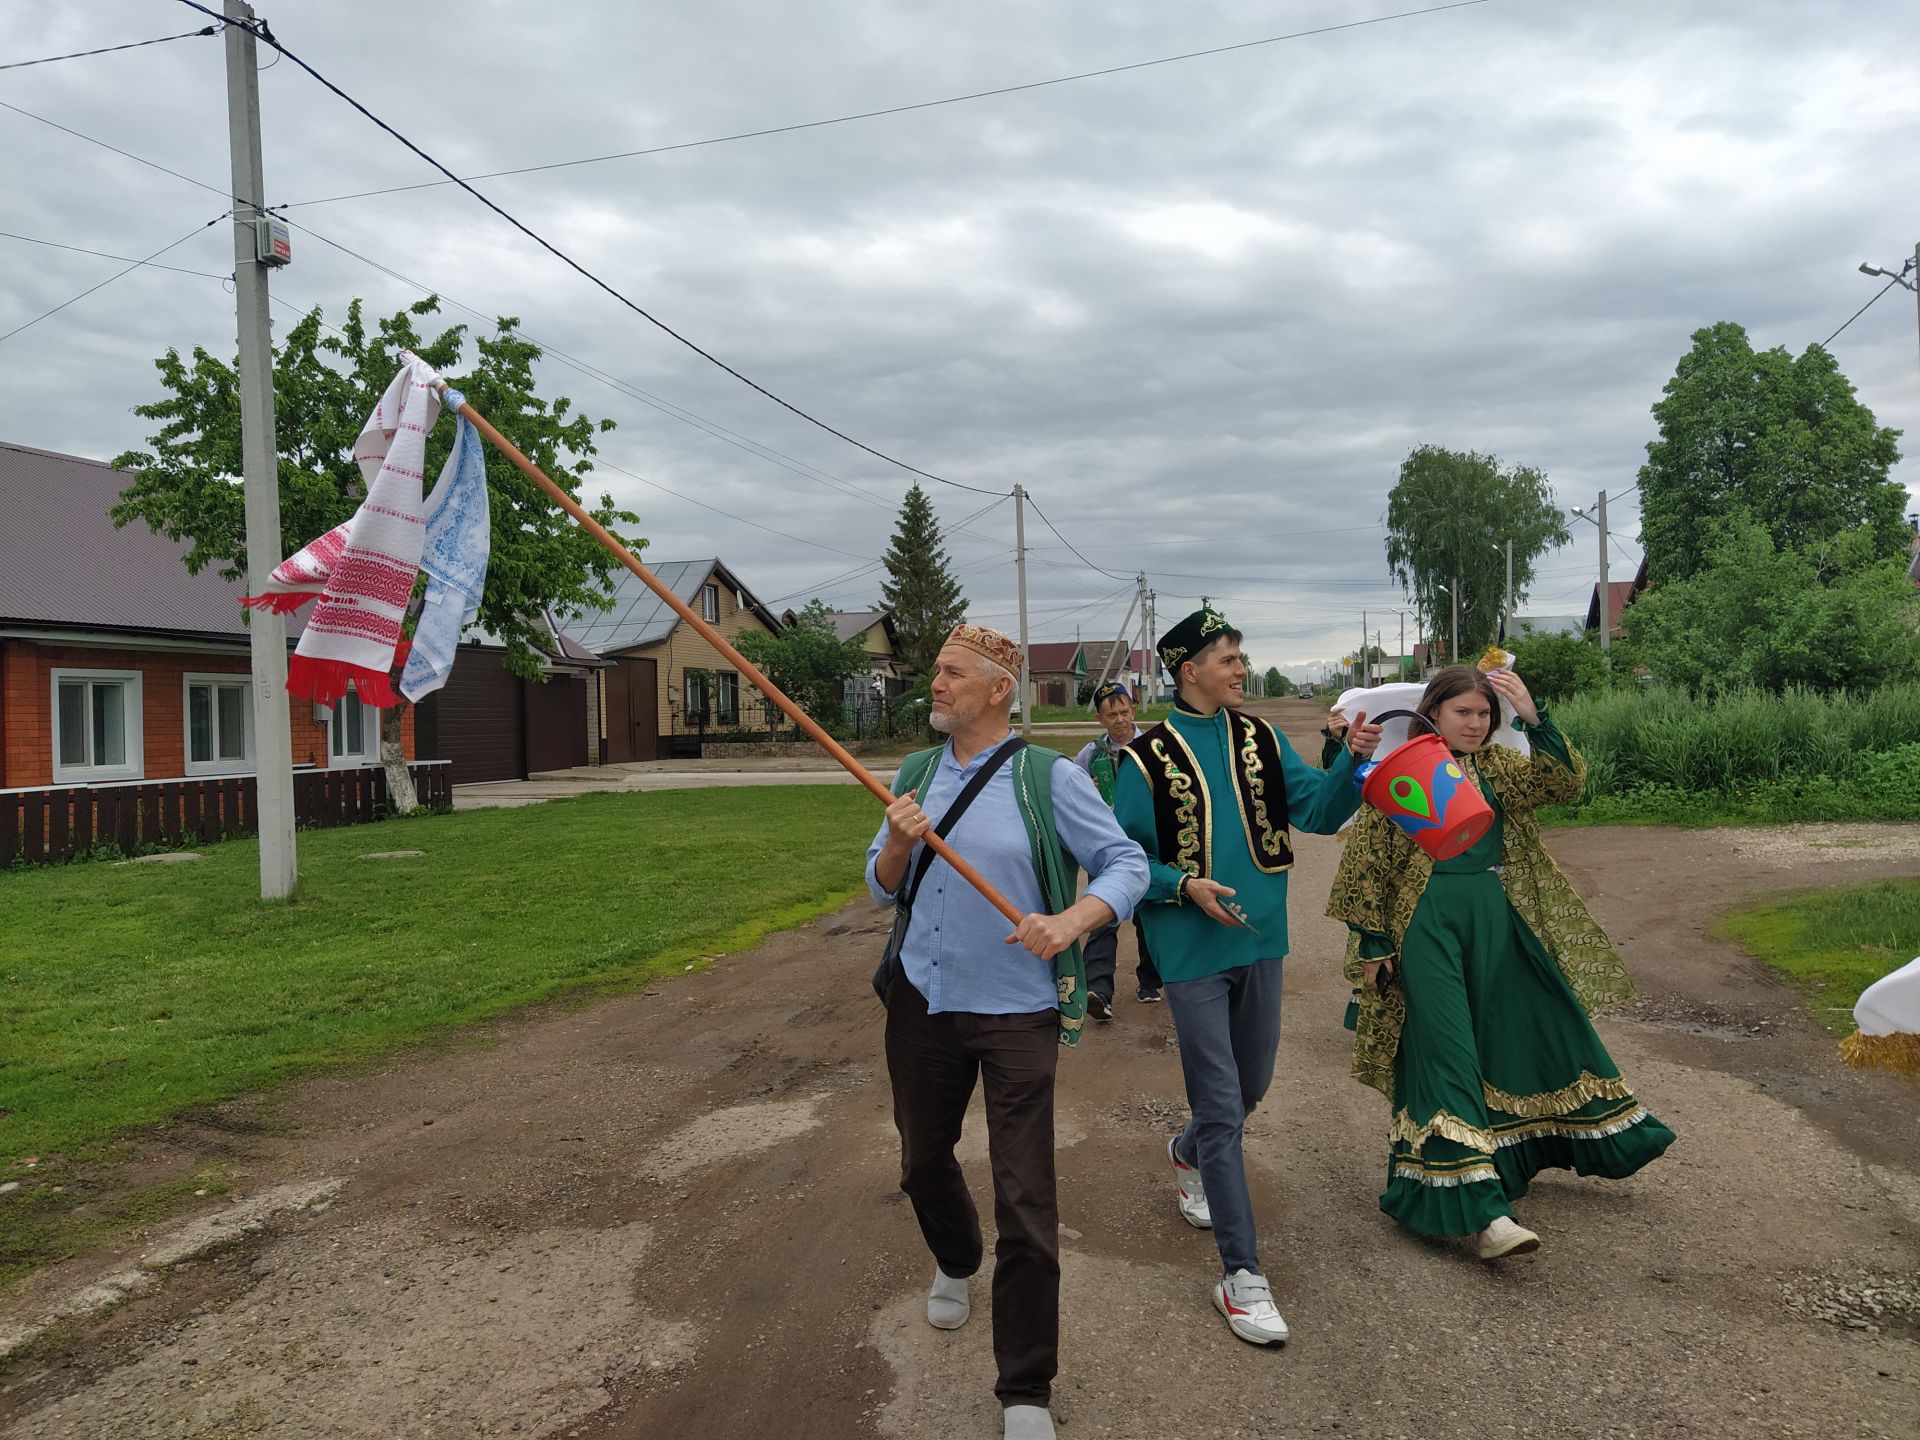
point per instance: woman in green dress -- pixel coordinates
(1474, 980)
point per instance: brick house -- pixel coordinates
(115, 663)
(667, 689)
(1056, 670)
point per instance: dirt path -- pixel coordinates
(674, 1214)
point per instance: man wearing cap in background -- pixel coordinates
(1210, 794)
(966, 1001)
(1100, 758)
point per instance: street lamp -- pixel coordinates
(1901, 276)
(1453, 646)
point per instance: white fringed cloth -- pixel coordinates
(362, 573)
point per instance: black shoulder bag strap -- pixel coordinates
(903, 912)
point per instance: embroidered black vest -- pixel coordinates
(1183, 806)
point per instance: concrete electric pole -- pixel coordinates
(253, 249)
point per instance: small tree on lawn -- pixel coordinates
(808, 662)
(1277, 684)
(920, 589)
(187, 486)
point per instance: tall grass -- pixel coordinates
(1813, 755)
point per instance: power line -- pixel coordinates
(108, 50)
(265, 35)
(1131, 545)
(220, 190)
(892, 109)
(105, 255)
(1069, 544)
(111, 278)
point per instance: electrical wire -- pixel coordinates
(221, 190)
(111, 278)
(1069, 544)
(105, 255)
(261, 32)
(895, 109)
(110, 49)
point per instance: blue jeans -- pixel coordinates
(1229, 1029)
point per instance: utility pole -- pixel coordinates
(1366, 668)
(1400, 668)
(1149, 655)
(1020, 565)
(266, 631)
(1606, 595)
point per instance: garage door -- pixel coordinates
(480, 724)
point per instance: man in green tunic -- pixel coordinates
(1210, 794)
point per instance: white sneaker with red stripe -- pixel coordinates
(1192, 1191)
(1246, 1300)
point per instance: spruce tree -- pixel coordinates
(920, 590)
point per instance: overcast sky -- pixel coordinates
(1200, 310)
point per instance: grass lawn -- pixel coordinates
(135, 991)
(1832, 944)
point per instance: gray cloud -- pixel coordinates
(1201, 311)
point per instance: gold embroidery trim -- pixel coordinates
(1584, 1091)
(1260, 832)
(1597, 1129)
(1193, 851)
(1446, 1126)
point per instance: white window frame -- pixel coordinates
(133, 732)
(242, 682)
(710, 604)
(369, 753)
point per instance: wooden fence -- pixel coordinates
(62, 822)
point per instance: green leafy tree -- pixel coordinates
(808, 662)
(187, 485)
(1557, 667)
(1277, 684)
(1783, 439)
(1449, 518)
(1827, 616)
(920, 589)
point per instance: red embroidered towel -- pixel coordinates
(354, 630)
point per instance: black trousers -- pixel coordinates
(933, 1061)
(1102, 956)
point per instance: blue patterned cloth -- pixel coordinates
(459, 536)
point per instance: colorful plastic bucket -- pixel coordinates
(1422, 789)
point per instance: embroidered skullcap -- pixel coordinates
(991, 643)
(1191, 636)
(1107, 690)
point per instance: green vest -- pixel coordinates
(1057, 872)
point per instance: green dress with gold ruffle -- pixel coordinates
(1498, 1073)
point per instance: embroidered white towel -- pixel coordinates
(355, 629)
(459, 535)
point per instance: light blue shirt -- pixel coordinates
(954, 951)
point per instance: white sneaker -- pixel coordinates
(948, 1304)
(1504, 1237)
(1247, 1302)
(1192, 1190)
(1027, 1422)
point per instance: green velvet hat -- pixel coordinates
(1191, 636)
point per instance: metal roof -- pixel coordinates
(639, 618)
(63, 563)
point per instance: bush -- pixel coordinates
(1558, 667)
(1747, 755)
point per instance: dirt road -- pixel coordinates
(674, 1214)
